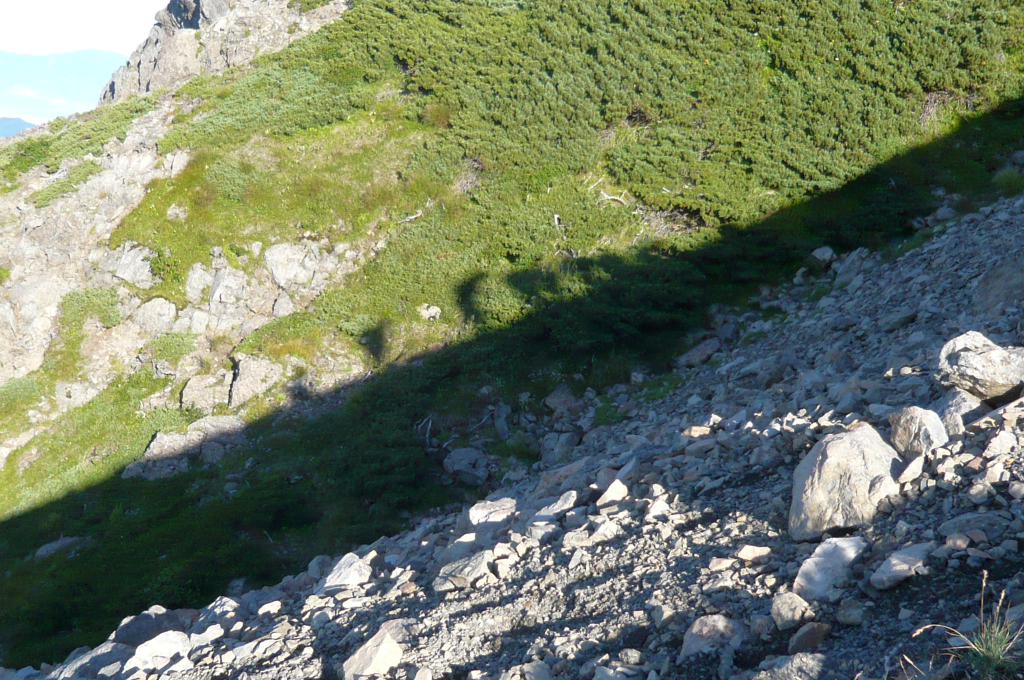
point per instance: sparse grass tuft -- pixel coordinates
(76, 177)
(992, 651)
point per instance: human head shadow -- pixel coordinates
(307, 484)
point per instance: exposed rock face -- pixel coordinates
(840, 482)
(206, 36)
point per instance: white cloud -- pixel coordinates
(22, 91)
(56, 26)
(28, 93)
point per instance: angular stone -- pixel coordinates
(90, 663)
(991, 523)
(828, 568)
(851, 612)
(615, 493)
(160, 652)
(753, 553)
(901, 565)
(709, 633)
(290, 265)
(467, 465)
(789, 610)
(464, 573)
(349, 571)
(134, 268)
(957, 409)
(840, 482)
(916, 431)
(378, 655)
(486, 515)
(555, 511)
(809, 637)
(700, 353)
(206, 392)
(974, 363)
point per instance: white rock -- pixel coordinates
(828, 568)
(901, 565)
(709, 633)
(349, 571)
(379, 655)
(840, 482)
(160, 652)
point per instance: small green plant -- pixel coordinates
(172, 346)
(5, 274)
(76, 177)
(1010, 181)
(992, 651)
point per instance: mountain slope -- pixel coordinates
(262, 311)
(12, 126)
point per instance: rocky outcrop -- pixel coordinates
(207, 36)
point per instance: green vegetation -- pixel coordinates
(172, 347)
(307, 5)
(77, 176)
(992, 651)
(5, 274)
(63, 359)
(69, 139)
(571, 182)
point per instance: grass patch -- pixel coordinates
(63, 358)
(76, 177)
(172, 347)
(70, 138)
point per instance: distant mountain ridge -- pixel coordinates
(12, 126)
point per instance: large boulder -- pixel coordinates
(137, 630)
(165, 652)
(253, 376)
(468, 466)
(916, 431)
(89, 664)
(840, 482)
(974, 363)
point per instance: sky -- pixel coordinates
(56, 55)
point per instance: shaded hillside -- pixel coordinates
(568, 185)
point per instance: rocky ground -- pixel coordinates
(834, 474)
